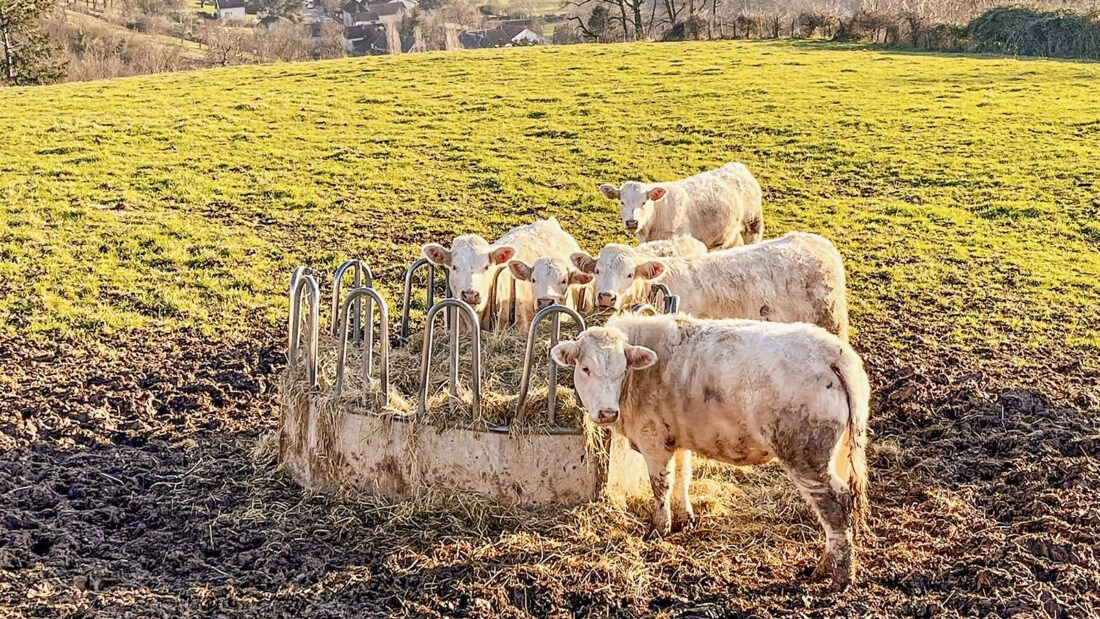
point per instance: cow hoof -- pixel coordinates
(683, 521)
(824, 569)
(841, 581)
(658, 530)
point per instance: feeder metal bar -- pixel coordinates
(426, 356)
(383, 342)
(406, 297)
(309, 284)
(363, 278)
(532, 335)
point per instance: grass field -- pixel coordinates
(148, 227)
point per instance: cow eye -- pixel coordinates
(564, 282)
(597, 271)
(586, 371)
(631, 276)
(533, 280)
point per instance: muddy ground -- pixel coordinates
(127, 488)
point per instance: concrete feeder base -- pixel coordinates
(336, 450)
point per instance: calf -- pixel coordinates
(472, 264)
(743, 392)
(556, 281)
(796, 278)
(719, 207)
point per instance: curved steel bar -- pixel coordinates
(532, 335)
(494, 297)
(383, 341)
(309, 284)
(406, 298)
(363, 279)
(664, 292)
(644, 308)
(292, 330)
(426, 356)
(672, 304)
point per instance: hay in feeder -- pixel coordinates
(502, 359)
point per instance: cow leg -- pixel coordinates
(829, 498)
(682, 514)
(658, 465)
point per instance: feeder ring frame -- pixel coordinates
(348, 310)
(455, 306)
(301, 281)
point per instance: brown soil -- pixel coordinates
(127, 488)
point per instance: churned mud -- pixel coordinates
(128, 488)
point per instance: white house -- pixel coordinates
(229, 9)
(501, 36)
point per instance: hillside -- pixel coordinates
(148, 227)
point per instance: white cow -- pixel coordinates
(556, 281)
(743, 392)
(472, 264)
(796, 278)
(719, 207)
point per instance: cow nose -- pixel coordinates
(471, 296)
(606, 299)
(632, 224)
(607, 415)
(543, 303)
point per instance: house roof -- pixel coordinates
(228, 4)
(479, 39)
(354, 33)
(388, 8)
(271, 20)
(366, 17)
(374, 42)
(512, 31)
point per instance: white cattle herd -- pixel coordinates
(755, 367)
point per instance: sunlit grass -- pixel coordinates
(963, 192)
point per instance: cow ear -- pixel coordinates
(519, 269)
(584, 262)
(578, 277)
(656, 193)
(649, 270)
(610, 192)
(639, 357)
(565, 353)
(437, 254)
(502, 254)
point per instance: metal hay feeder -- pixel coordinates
(363, 444)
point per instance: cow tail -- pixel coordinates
(849, 369)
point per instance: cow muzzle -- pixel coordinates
(606, 416)
(631, 224)
(471, 296)
(543, 303)
(606, 299)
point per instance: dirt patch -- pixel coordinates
(127, 488)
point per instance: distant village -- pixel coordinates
(376, 27)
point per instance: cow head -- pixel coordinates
(601, 357)
(471, 264)
(636, 201)
(620, 272)
(550, 278)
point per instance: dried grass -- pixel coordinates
(501, 370)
